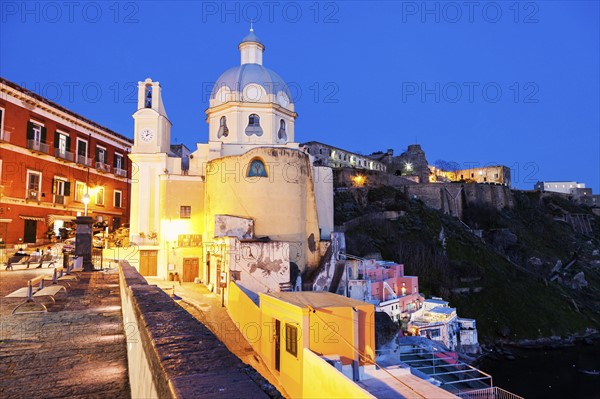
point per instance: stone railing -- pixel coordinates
(170, 353)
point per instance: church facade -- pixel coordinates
(248, 206)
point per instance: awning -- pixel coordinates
(52, 218)
(36, 218)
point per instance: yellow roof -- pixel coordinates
(316, 299)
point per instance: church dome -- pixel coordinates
(251, 73)
(237, 78)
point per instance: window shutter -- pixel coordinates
(56, 138)
(69, 143)
(29, 130)
(43, 139)
(115, 161)
(67, 188)
(54, 186)
(97, 154)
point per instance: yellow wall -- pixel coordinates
(290, 375)
(282, 204)
(175, 192)
(326, 381)
(332, 332)
(313, 334)
(246, 315)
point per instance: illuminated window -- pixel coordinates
(223, 130)
(185, 212)
(254, 126)
(79, 191)
(257, 168)
(291, 339)
(100, 196)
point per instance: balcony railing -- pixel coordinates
(120, 172)
(5, 136)
(66, 155)
(488, 393)
(33, 194)
(102, 167)
(38, 146)
(59, 199)
(84, 160)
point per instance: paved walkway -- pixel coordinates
(206, 307)
(76, 350)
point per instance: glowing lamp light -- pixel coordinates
(358, 180)
(86, 201)
(409, 166)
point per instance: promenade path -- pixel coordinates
(76, 350)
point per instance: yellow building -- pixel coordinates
(301, 335)
(248, 205)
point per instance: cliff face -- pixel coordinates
(521, 265)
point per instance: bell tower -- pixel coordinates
(152, 130)
(149, 157)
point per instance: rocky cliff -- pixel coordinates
(518, 262)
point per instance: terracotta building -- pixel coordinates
(51, 161)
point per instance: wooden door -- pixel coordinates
(30, 231)
(277, 345)
(148, 263)
(190, 269)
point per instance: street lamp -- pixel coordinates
(86, 201)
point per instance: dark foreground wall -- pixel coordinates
(170, 353)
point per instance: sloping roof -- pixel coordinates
(316, 299)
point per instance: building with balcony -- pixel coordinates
(437, 321)
(384, 284)
(50, 160)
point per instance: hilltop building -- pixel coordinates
(50, 158)
(497, 174)
(563, 187)
(337, 158)
(251, 207)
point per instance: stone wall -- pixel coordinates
(451, 198)
(170, 353)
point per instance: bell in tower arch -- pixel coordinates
(148, 97)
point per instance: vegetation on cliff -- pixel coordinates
(521, 272)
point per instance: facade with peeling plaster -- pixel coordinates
(247, 206)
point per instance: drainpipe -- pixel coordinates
(356, 329)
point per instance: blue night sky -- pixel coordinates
(513, 83)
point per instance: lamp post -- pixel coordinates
(86, 201)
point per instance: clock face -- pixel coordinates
(146, 135)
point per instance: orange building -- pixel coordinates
(51, 160)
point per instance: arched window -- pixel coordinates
(223, 130)
(257, 168)
(254, 126)
(148, 99)
(282, 135)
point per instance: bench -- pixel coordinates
(46, 258)
(35, 289)
(17, 261)
(60, 274)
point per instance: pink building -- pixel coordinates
(384, 284)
